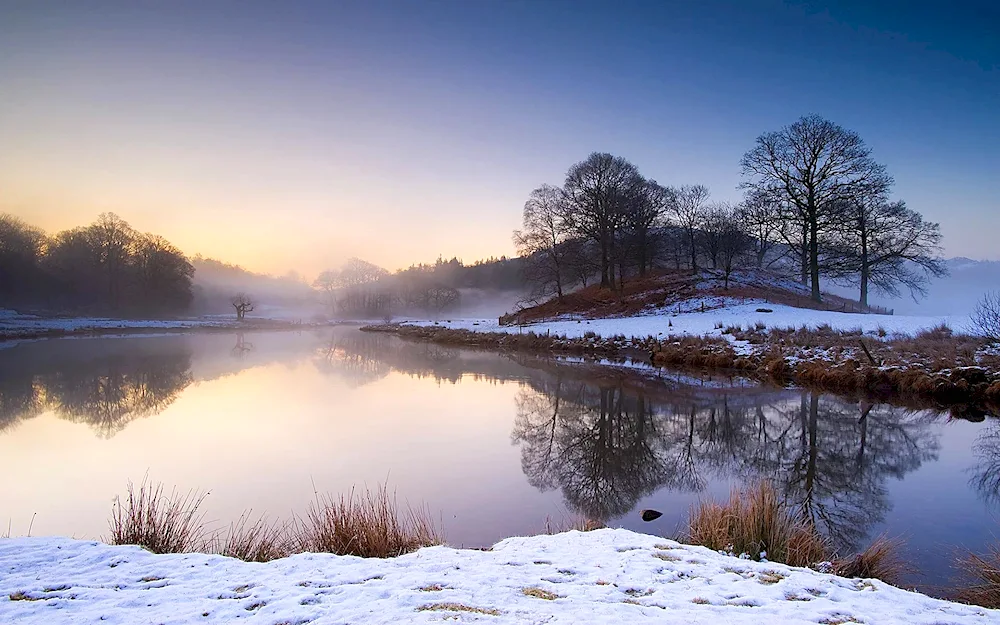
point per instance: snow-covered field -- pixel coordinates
(605, 576)
(691, 321)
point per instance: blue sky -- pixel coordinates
(398, 131)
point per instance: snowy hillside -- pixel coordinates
(605, 576)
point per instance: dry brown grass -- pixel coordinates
(984, 574)
(369, 525)
(161, 523)
(457, 607)
(259, 540)
(755, 520)
(578, 523)
(539, 593)
(880, 560)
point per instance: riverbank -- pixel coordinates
(14, 326)
(911, 362)
(591, 577)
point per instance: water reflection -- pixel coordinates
(106, 387)
(985, 474)
(598, 439)
(606, 444)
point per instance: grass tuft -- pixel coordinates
(161, 523)
(755, 520)
(367, 525)
(880, 560)
(256, 541)
(984, 573)
(457, 607)
(539, 593)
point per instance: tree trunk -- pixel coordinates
(865, 270)
(694, 252)
(814, 256)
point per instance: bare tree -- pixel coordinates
(731, 242)
(597, 191)
(647, 210)
(891, 246)
(327, 284)
(689, 209)
(243, 304)
(760, 217)
(986, 317)
(814, 165)
(112, 239)
(541, 241)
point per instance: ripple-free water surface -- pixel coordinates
(492, 444)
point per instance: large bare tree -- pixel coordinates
(815, 166)
(890, 246)
(541, 240)
(598, 191)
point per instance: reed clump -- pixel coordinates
(880, 560)
(983, 572)
(756, 521)
(160, 522)
(368, 524)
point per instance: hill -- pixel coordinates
(680, 291)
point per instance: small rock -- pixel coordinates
(650, 515)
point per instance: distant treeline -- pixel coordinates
(106, 268)
(360, 288)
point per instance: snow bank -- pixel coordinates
(692, 321)
(606, 576)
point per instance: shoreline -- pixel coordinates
(844, 363)
(159, 326)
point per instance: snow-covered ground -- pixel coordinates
(691, 321)
(605, 576)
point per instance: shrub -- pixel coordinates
(369, 525)
(160, 523)
(754, 521)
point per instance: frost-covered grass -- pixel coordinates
(604, 576)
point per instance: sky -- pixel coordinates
(293, 135)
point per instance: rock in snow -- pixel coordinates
(604, 576)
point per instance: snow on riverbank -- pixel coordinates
(695, 322)
(605, 576)
(15, 325)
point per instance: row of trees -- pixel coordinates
(362, 288)
(105, 267)
(816, 204)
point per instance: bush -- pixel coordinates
(160, 523)
(755, 521)
(369, 526)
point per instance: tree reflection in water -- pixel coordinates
(985, 474)
(106, 388)
(606, 444)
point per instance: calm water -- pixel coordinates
(492, 444)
